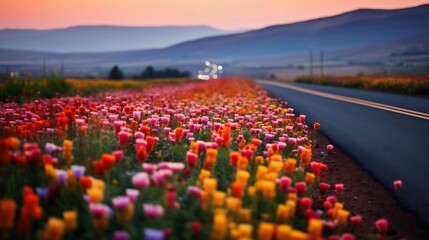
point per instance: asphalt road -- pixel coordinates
(382, 139)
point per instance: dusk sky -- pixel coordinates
(224, 14)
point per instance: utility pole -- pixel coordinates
(62, 69)
(311, 62)
(44, 68)
(321, 63)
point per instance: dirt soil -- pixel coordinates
(365, 196)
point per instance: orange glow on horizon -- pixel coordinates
(224, 14)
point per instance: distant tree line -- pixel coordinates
(149, 73)
(116, 73)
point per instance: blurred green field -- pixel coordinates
(24, 89)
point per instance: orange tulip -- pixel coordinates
(7, 213)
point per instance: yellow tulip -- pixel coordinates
(260, 174)
(276, 158)
(342, 216)
(265, 231)
(275, 166)
(292, 207)
(54, 229)
(218, 199)
(220, 226)
(269, 189)
(283, 213)
(271, 176)
(210, 185)
(70, 219)
(315, 228)
(242, 177)
(292, 196)
(95, 195)
(245, 230)
(203, 175)
(309, 177)
(298, 235)
(233, 204)
(283, 232)
(245, 215)
(251, 191)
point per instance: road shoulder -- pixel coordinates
(367, 197)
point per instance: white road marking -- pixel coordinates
(350, 100)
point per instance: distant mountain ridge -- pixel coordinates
(102, 38)
(363, 38)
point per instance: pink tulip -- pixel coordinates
(141, 180)
(285, 183)
(124, 137)
(121, 235)
(132, 194)
(195, 191)
(138, 135)
(329, 147)
(153, 210)
(120, 202)
(119, 154)
(332, 199)
(149, 168)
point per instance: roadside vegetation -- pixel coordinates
(395, 84)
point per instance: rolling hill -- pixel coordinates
(368, 38)
(102, 38)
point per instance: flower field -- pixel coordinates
(211, 160)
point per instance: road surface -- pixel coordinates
(387, 134)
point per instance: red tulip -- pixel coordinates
(85, 182)
(323, 187)
(108, 160)
(397, 184)
(196, 227)
(306, 203)
(382, 226)
(339, 188)
(356, 220)
(233, 158)
(150, 143)
(191, 158)
(327, 205)
(348, 236)
(301, 187)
